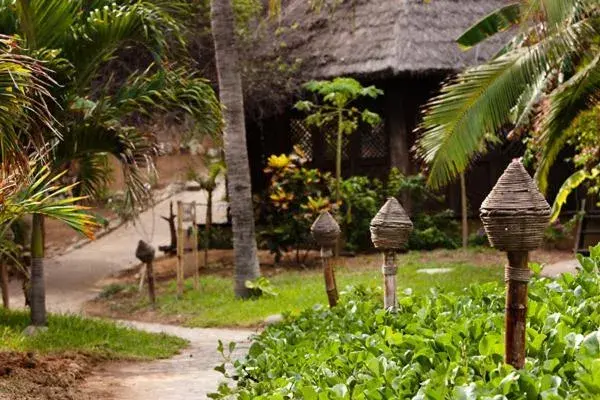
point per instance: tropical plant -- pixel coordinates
(236, 152)
(533, 88)
(96, 111)
(439, 345)
(294, 198)
(336, 107)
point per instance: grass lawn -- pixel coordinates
(214, 304)
(92, 337)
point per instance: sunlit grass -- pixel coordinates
(215, 305)
(93, 337)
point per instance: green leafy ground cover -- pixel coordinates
(215, 305)
(92, 337)
(438, 345)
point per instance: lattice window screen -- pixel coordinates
(302, 137)
(373, 142)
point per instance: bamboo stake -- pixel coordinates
(463, 204)
(329, 275)
(180, 249)
(150, 278)
(195, 247)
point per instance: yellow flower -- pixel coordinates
(279, 162)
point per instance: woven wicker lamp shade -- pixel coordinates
(391, 226)
(325, 230)
(515, 213)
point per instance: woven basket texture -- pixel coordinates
(325, 230)
(515, 213)
(391, 226)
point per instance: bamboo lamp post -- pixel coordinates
(514, 216)
(326, 231)
(390, 229)
(145, 253)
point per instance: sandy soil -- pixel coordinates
(27, 376)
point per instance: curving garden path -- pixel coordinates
(73, 278)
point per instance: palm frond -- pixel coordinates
(562, 106)
(41, 193)
(569, 185)
(493, 23)
(479, 101)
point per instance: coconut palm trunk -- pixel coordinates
(236, 152)
(37, 284)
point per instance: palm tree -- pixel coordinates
(236, 152)
(25, 183)
(78, 39)
(534, 87)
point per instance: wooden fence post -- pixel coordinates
(180, 249)
(145, 253)
(325, 230)
(515, 215)
(390, 229)
(195, 247)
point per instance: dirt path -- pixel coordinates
(190, 375)
(72, 279)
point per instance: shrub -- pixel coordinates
(437, 346)
(295, 197)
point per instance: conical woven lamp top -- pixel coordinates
(515, 193)
(325, 230)
(515, 213)
(391, 226)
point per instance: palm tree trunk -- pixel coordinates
(236, 152)
(37, 285)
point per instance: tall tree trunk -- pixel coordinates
(236, 152)
(37, 285)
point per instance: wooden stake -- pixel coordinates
(180, 249)
(389, 270)
(4, 284)
(516, 309)
(195, 247)
(150, 278)
(329, 274)
(463, 204)
(208, 225)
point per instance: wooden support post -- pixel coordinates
(389, 270)
(180, 249)
(195, 247)
(150, 279)
(4, 283)
(329, 274)
(517, 276)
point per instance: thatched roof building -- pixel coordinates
(383, 37)
(405, 47)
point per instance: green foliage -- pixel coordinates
(437, 346)
(432, 230)
(533, 88)
(221, 237)
(295, 197)
(92, 336)
(261, 286)
(361, 199)
(582, 135)
(335, 107)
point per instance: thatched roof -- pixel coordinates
(382, 37)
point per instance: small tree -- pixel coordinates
(335, 106)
